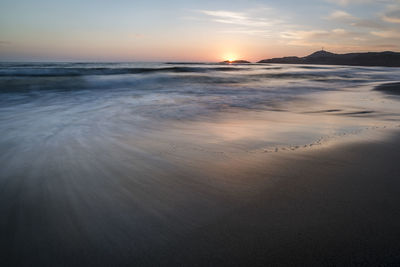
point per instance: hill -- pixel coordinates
(386, 59)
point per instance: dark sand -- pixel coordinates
(333, 206)
(339, 206)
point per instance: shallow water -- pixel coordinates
(118, 157)
(229, 107)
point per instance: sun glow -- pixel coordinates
(230, 57)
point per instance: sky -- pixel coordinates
(206, 30)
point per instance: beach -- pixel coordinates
(156, 164)
(333, 207)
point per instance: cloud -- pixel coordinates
(4, 43)
(332, 39)
(256, 32)
(303, 35)
(341, 15)
(259, 22)
(346, 18)
(239, 18)
(350, 2)
(351, 33)
(392, 16)
(344, 40)
(386, 46)
(234, 16)
(345, 31)
(390, 34)
(369, 23)
(340, 31)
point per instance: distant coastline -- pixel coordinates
(322, 57)
(239, 61)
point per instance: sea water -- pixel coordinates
(114, 159)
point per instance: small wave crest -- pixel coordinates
(50, 72)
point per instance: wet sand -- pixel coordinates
(336, 205)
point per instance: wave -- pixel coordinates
(48, 72)
(208, 79)
(389, 88)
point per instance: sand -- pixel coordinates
(336, 205)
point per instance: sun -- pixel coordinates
(230, 57)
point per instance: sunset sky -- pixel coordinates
(207, 30)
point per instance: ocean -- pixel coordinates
(107, 162)
(248, 107)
